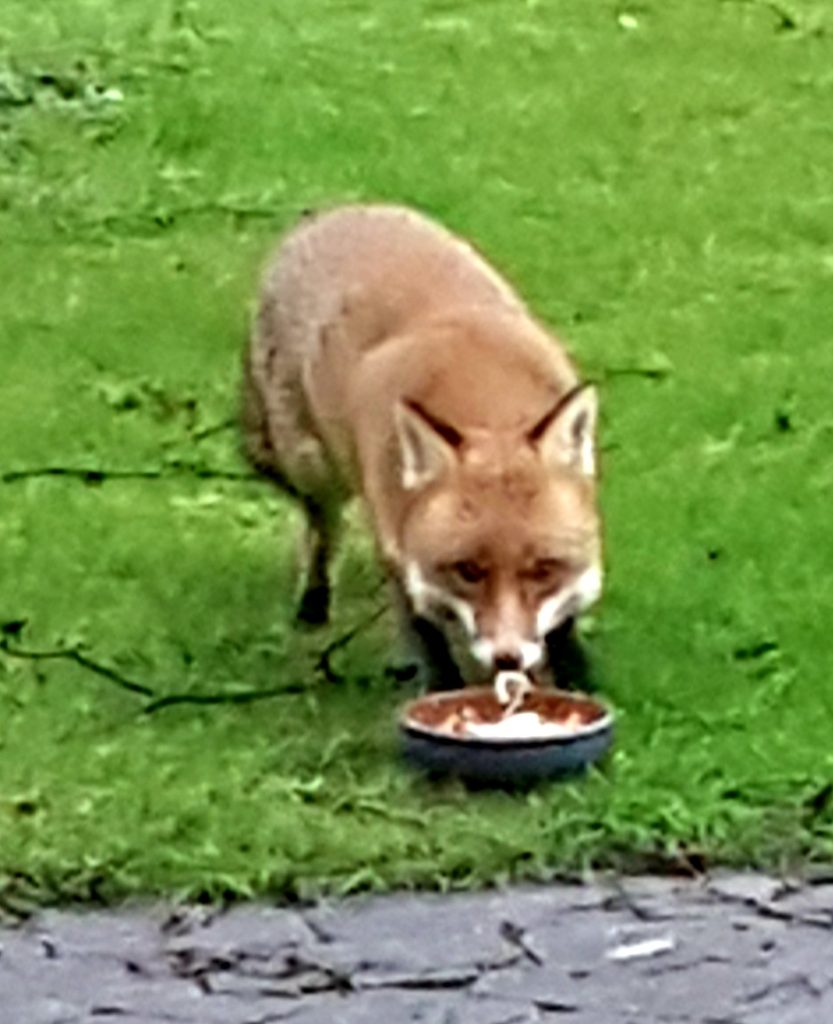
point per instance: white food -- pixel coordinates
(511, 689)
(523, 725)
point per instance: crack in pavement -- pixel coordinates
(795, 982)
(768, 907)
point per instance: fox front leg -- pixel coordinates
(567, 658)
(323, 530)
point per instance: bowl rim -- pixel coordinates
(599, 725)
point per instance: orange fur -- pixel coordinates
(388, 359)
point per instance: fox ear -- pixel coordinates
(566, 436)
(426, 445)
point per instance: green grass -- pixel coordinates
(655, 177)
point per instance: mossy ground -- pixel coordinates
(655, 178)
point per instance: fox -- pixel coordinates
(389, 361)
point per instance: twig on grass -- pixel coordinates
(238, 697)
(213, 428)
(10, 631)
(128, 221)
(649, 371)
(97, 475)
(324, 663)
(74, 654)
(786, 19)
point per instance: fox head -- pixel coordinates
(501, 533)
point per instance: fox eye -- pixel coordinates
(546, 570)
(469, 571)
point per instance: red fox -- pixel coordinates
(388, 359)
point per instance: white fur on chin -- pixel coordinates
(425, 596)
(572, 599)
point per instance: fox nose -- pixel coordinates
(507, 656)
(508, 661)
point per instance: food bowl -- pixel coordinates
(464, 733)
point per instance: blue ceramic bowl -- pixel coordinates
(503, 760)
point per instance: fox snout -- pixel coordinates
(507, 654)
(505, 635)
(514, 639)
(504, 631)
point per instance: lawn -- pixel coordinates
(655, 178)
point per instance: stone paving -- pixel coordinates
(729, 949)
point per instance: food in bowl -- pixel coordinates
(517, 725)
(477, 713)
(469, 733)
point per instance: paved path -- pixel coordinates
(735, 949)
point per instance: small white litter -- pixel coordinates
(644, 948)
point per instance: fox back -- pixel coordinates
(388, 359)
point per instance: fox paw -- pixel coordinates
(314, 609)
(402, 672)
